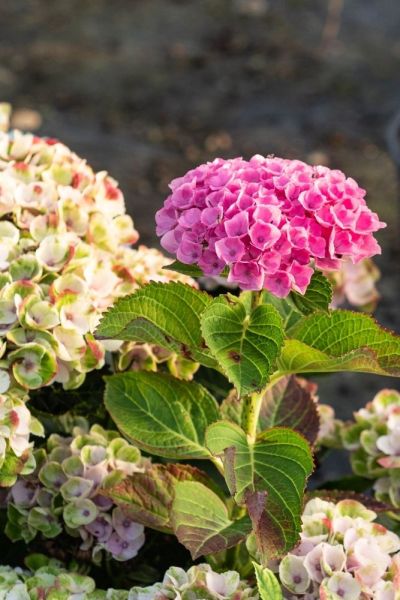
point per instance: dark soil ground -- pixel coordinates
(148, 88)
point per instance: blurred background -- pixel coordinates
(148, 88)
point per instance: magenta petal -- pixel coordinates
(278, 284)
(264, 235)
(301, 275)
(170, 242)
(270, 261)
(230, 250)
(238, 225)
(189, 218)
(210, 216)
(327, 264)
(248, 275)
(166, 220)
(188, 252)
(210, 264)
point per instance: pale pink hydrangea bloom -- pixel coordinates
(271, 221)
(356, 284)
(342, 554)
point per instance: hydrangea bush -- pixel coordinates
(191, 378)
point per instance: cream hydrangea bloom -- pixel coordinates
(65, 256)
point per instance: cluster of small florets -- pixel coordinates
(53, 582)
(374, 440)
(16, 426)
(63, 493)
(342, 554)
(198, 583)
(65, 257)
(269, 220)
(355, 284)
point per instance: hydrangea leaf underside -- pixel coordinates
(201, 520)
(289, 403)
(147, 497)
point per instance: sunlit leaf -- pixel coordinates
(166, 314)
(160, 414)
(245, 340)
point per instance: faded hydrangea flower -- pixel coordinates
(63, 493)
(342, 554)
(65, 256)
(374, 440)
(16, 426)
(355, 284)
(270, 221)
(198, 583)
(51, 582)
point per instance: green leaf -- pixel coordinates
(267, 583)
(201, 520)
(286, 308)
(317, 297)
(293, 308)
(189, 270)
(269, 476)
(11, 467)
(228, 441)
(160, 414)
(289, 403)
(340, 341)
(166, 314)
(246, 341)
(147, 497)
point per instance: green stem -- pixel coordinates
(252, 407)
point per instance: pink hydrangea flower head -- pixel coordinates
(270, 221)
